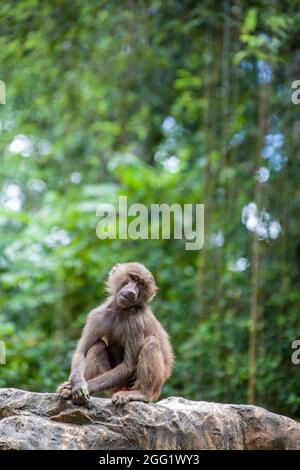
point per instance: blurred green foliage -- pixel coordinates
(162, 101)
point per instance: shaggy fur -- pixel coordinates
(123, 349)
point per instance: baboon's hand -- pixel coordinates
(64, 390)
(80, 392)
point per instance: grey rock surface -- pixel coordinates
(44, 421)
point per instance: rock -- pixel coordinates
(45, 421)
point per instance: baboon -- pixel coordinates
(123, 349)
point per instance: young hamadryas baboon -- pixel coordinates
(123, 349)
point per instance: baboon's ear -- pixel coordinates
(114, 268)
(153, 291)
(110, 282)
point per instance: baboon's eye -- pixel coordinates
(141, 282)
(134, 278)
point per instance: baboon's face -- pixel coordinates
(131, 284)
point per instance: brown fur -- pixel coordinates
(123, 348)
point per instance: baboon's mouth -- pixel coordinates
(124, 301)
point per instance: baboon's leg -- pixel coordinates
(150, 375)
(97, 362)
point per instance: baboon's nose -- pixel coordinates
(130, 295)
